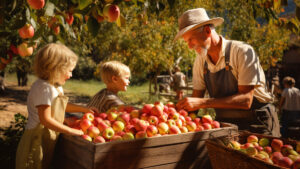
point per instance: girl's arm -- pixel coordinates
(49, 122)
(76, 108)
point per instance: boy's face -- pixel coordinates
(122, 82)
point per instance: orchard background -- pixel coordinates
(141, 36)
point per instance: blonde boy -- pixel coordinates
(116, 76)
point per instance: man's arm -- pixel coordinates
(242, 100)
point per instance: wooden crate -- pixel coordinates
(222, 157)
(166, 152)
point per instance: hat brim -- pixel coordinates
(215, 21)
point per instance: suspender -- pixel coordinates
(227, 58)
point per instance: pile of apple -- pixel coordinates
(272, 151)
(127, 123)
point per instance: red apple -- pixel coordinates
(97, 120)
(171, 110)
(134, 121)
(69, 18)
(14, 49)
(153, 120)
(183, 112)
(102, 115)
(85, 124)
(191, 126)
(157, 110)
(36, 4)
(207, 119)
(285, 162)
(99, 139)
(141, 134)
(276, 144)
(141, 125)
(206, 126)
(199, 128)
(124, 117)
(188, 118)
(26, 31)
(93, 131)
(116, 138)
(147, 108)
(151, 131)
(252, 139)
(128, 136)
(171, 122)
(179, 123)
(135, 114)
(285, 149)
(163, 128)
(197, 121)
(268, 149)
(108, 133)
(112, 116)
(86, 137)
(24, 50)
(215, 124)
(174, 130)
(130, 128)
(89, 116)
(276, 156)
(56, 29)
(183, 129)
(118, 126)
(163, 118)
(170, 104)
(174, 116)
(144, 117)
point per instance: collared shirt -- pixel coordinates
(245, 67)
(292, 99)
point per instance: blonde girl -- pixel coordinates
(46, 105)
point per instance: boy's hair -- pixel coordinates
(112, 68)
(53, 60)
(289, 81)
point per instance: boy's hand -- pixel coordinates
(93, 110)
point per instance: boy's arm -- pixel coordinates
(46, 119)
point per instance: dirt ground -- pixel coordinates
(13, 100)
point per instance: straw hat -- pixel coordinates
(193, 19)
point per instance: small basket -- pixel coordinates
(222, 157)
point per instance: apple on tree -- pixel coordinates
(111, 12)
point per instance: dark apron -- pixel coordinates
(260, 118)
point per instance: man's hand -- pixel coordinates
(93, 110)
(190, 103)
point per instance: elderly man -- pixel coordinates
(231, 73)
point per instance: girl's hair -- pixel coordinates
(113, 68)
(52, 61)
(289, 81)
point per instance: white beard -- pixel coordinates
(201, 50)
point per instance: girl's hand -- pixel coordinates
(76, 132)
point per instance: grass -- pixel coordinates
(135, 95)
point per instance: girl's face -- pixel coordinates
(66, 75)
(122, 82)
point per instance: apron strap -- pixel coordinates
(227, 55)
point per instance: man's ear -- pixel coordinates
(207, 30)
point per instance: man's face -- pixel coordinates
(197, 40)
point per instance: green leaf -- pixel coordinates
(121, 21)
(49, 9)
(84, 3)
(38, 33)
(93, 26)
